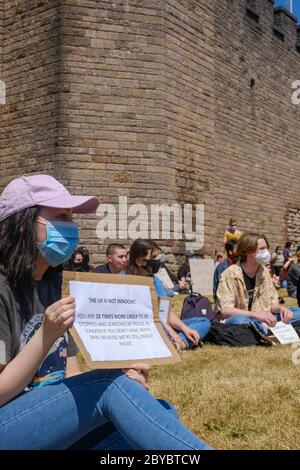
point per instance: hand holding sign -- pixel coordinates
(117, 321)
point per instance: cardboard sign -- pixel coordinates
(285, 333)
(165, 304)
(117, 322)
(202, 274)
(163, 275)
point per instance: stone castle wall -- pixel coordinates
(162, 101)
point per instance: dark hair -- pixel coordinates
(277, 248)
(113, 247)
(82, 250)
(288, 244)
(229, 246)
(18, 248)
(138, 249)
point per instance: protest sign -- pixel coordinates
(163, 275)
(165, 304)
(117, 320)
(202, 274)
(285, 333)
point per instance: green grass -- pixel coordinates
(235, 398)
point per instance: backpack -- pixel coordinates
(236, 335)
(195, 305)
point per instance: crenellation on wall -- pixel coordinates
(285, 25)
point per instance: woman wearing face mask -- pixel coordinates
(77, 262)
(144, 260)
(86, 258)
(42, 406)
(246, 292)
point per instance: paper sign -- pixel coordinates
(117, 321)
(163, 275)
(285, 333)
(202, 274)
(164, 309)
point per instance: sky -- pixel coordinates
(286, 4)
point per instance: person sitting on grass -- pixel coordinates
(144, 260)
(246, 292)
(293, 276)
(46, 403)
(232, 258)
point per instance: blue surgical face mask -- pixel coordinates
(61, 242)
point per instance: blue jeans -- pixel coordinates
(243, 319)
(200, 324)
(58, 415)
(283, 284)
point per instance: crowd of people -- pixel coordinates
(38, 358)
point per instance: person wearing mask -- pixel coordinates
(45, 402)
(246, 292)
(86, 259)
(76, 263)
(144, 260)
(232, 233)
(116, 257)
(232, 258)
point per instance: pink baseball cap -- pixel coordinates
(42, 190)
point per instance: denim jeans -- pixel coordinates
(243, 319)
(58, 415)
(106, 437)
(200, 324)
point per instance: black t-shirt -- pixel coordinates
(50, 286)
(21, 315)
(250, 285)
(184, 271)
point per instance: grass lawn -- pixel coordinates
(235, 398)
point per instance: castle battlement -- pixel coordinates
(284, 25)
(185, 101)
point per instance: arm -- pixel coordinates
(265, 317)
(20, 370)
(175, 337)
(288, 263)
(216, 280)
(285, 314)
(226, 300)
(191, 334)
(225, 237)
